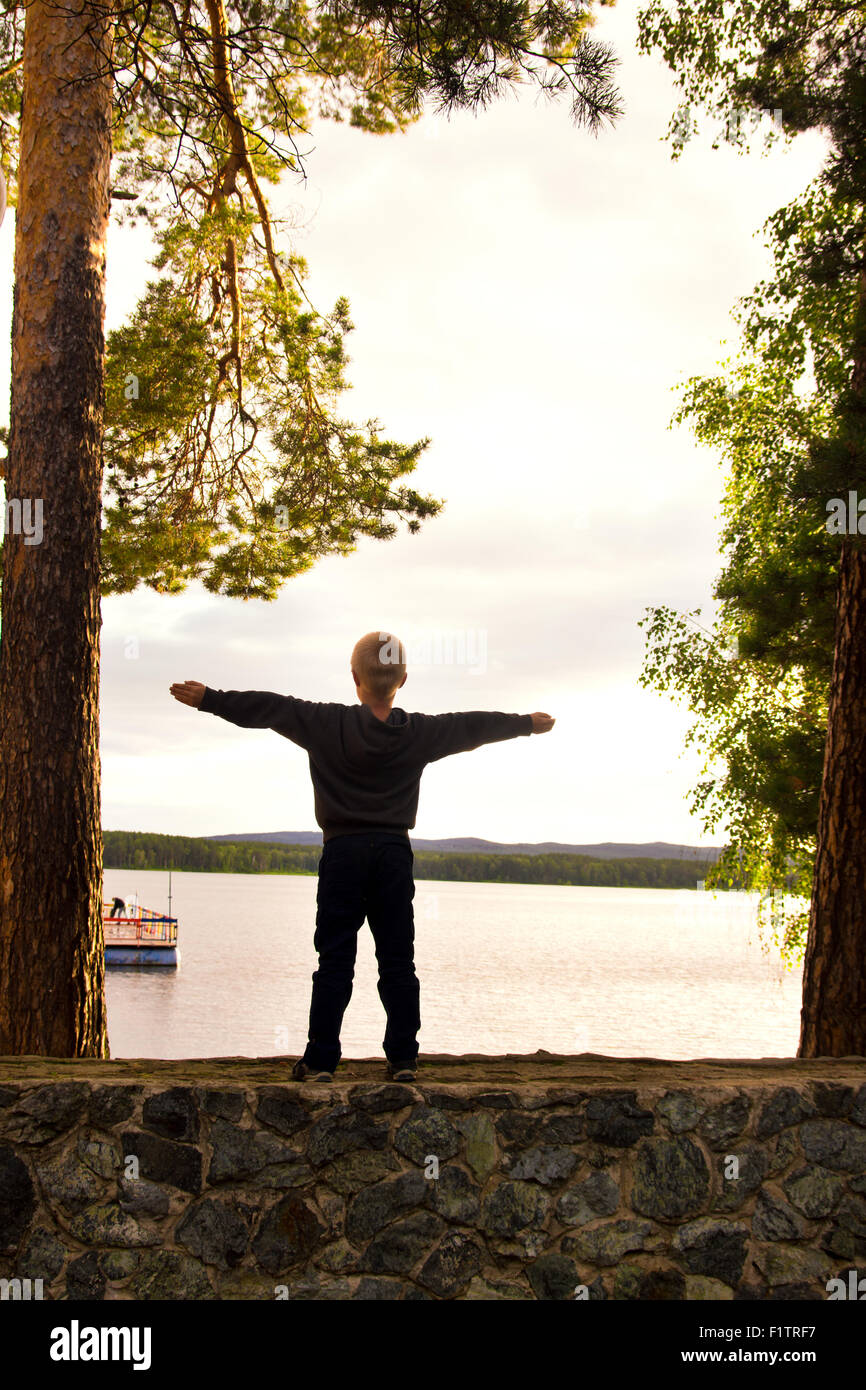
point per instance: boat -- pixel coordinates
(142, 937)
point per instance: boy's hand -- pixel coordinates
(542, 723)
(188, 692)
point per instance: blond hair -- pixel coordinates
(379, 660)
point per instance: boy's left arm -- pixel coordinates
(460, 733)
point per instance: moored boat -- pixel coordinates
(140, 937)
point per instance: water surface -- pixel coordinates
(504, 967)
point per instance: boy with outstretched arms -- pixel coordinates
(366, 762)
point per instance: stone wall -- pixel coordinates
(494, 1178)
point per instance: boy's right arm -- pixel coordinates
(252, 709)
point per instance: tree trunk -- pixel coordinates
(833, 1017)
(52, 971)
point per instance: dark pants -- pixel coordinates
(364, 875)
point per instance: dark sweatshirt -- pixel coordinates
(366, 771)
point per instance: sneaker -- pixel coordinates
(301, 1072)
(403, 1071)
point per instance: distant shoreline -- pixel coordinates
(131, 850)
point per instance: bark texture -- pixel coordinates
(51, 944)
(833, 1017)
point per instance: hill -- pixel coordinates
(656, 849)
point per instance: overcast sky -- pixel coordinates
(528, 296)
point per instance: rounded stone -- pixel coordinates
(774, 1219)
(246, 1285)
(373, 1290)
(85, 1279)
(785, 1151)
(379, 1099)
(277, 1108)
(725, 1121)
(547, 1164)
(70, 1183)
(598, 1195)
(699, 1289)
(671, 1179)
(483, 1290)
(48, 1111)
(633, 1282)
(217, 1232)
(833, 1099)
(119, 1264)
(337, 1258)
(455, 1196)
(397, 1248)
(454, 1262)
(680, 1110)
(617, 1120)
(106, 1223)
(17, 1199)
(606, 1244)
(752, 1167)
(563, 1129)
(482, 1154)
(101, 1156)
(713, 1248)
(109, 1105)
(163, 1274)
(42, 1257)
(341, 1131)
(238, 1153)
(375, 1206)
(223, 1105)
(847, 1236)
(427, 1132)
(834, 1144)
(781, 1264)
(513, 1206)
(163, 1160)
(517, 1127)
(351, 1172)
(288, 1235)
(142, 1198)
(786, 1107)
(172, 1114)
(553, 1278)
(814, 1191)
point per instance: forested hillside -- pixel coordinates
(130, 849)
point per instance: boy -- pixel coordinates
(365, 764)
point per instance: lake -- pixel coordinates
(626, 972)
